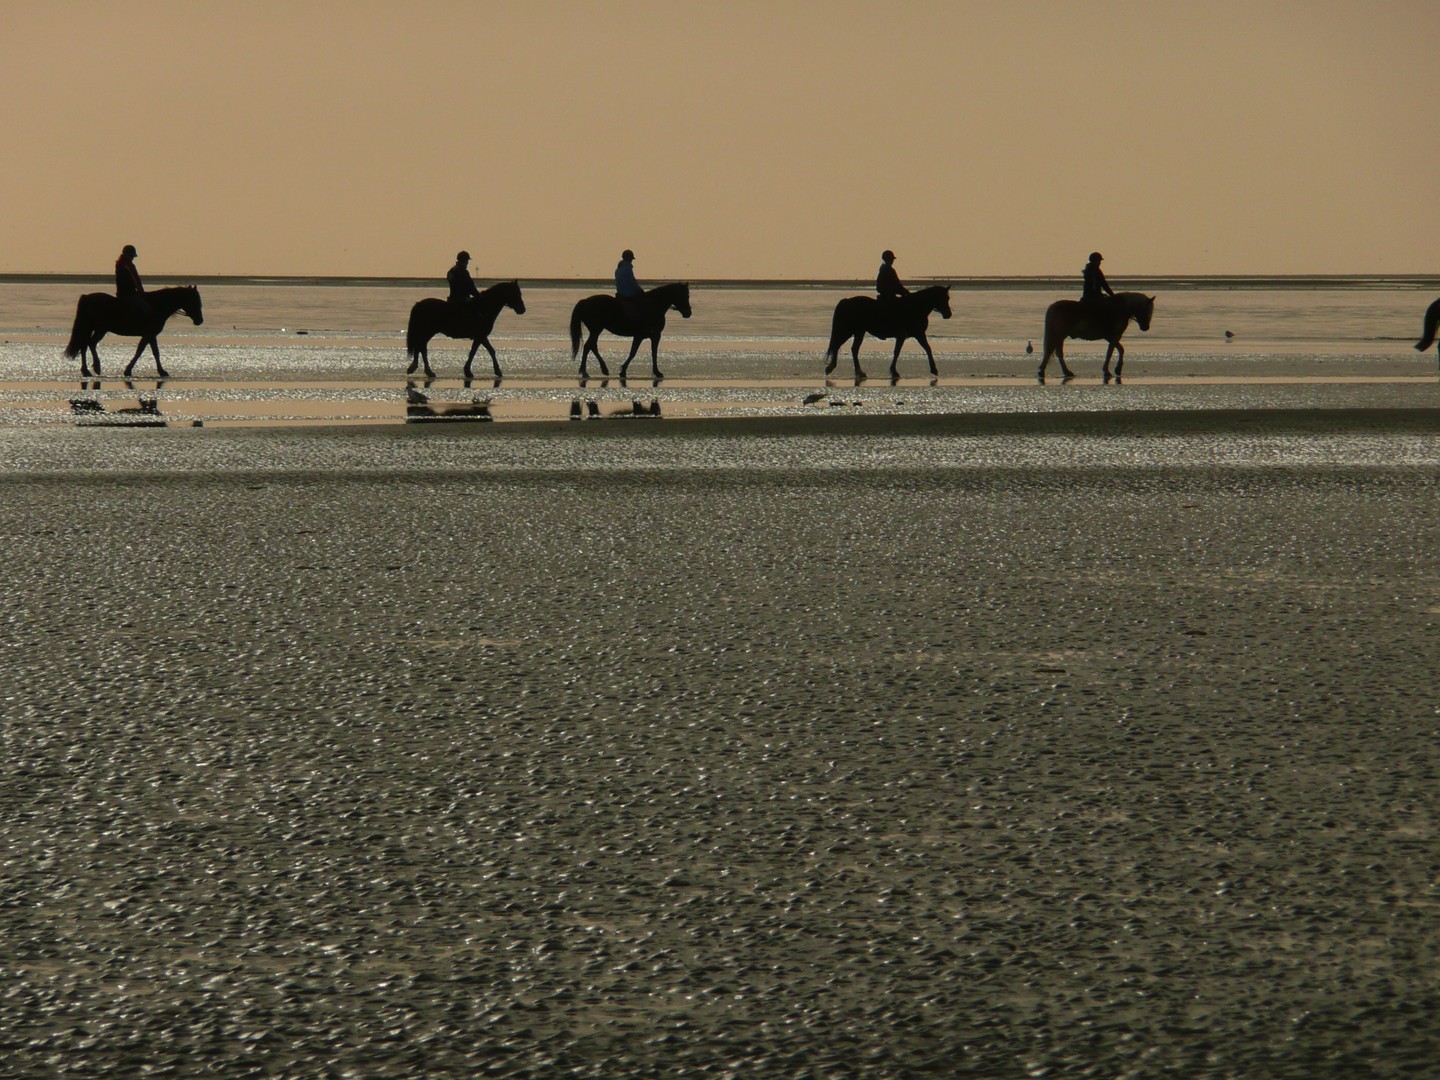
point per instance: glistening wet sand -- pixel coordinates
(797, 748)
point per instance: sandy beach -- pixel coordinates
(1101, 744)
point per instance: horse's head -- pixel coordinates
(190, 304)
(942, 302)
(1142, 309)
(513, 300)
(681, 301)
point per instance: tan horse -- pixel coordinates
(1105, 321)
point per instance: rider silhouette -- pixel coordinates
(1094, 288)
(627, 289)
(129, 290)
(462, 285)
(887, 281)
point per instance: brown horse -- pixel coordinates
(641, 319)
(473, 319)
(1104, 320)
(98, 314)
(902, 318)
(1432, 323)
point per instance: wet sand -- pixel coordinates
(1097, 744)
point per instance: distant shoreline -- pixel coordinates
(1142, 283)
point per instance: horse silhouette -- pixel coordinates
(98, 314)
(1100, 320)
(1432, 323)
(605, 312)
(901, 318)
(472, 319)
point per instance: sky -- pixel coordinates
(770, 139)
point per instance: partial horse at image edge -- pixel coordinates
(98, 314)
(1432, 324)
(1071, 319)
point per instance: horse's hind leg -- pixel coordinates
(1060, 356)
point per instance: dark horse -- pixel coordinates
(1432, 323)
(603, 312)
(902, 318)
(473, 319)
(1105, 321)
(98, 314)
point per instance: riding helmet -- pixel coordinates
(129, 249)
(464, 256)
(628, 255)
(887, 256)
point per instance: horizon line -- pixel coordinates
(956, 281)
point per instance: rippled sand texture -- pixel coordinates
(862, 770)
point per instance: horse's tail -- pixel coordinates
(414, 336)
(1432, 323)
(838, 335)
(79, 333)
(1054, 336)
(575, 333)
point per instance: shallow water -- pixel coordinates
(329, 354)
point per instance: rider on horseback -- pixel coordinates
(887, 281)
(129, 290)
(627, 289)
(1094, 287)
(462, 285)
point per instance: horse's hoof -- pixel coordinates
(411, 369)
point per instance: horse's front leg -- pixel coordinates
(855, 354)
(139, 351)
(494, 360)
(474, 348)
(634, 348)
(160, 371)
(900, 340)
(1119, 358)
(924, 343)
(655, 372)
